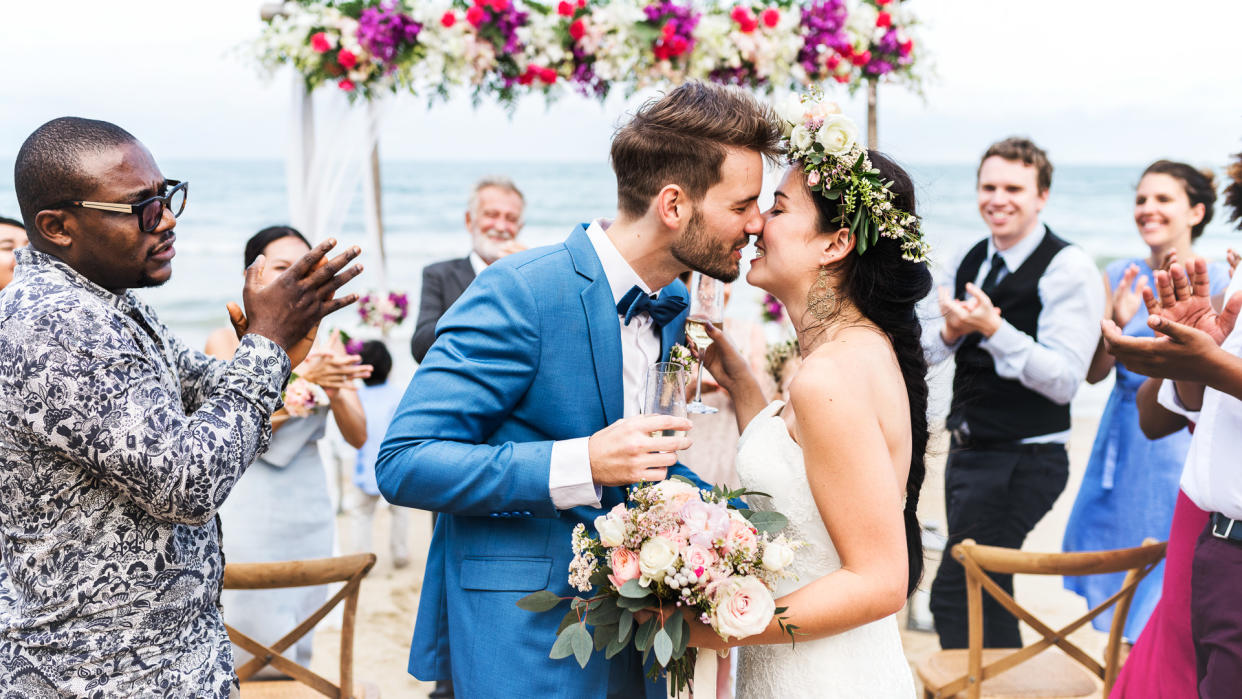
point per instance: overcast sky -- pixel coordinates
(1093, 81)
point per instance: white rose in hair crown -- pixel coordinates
(672, 545)
(826, 143)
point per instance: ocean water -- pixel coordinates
(424, 203)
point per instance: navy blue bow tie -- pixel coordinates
(662, 311)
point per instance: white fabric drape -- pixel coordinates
(330, 156)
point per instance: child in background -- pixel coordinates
(379, 402)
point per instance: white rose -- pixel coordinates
(800, 138)
(744, 607)
(777, 556)
(837, 135)
(657, 557)
(611, 531)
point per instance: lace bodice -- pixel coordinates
(866, 661)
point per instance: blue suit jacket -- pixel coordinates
(530, 354)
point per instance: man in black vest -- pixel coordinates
(1022, 321)
(494, 219)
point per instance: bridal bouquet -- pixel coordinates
(383, 311)
(301, 397)
(674, 546)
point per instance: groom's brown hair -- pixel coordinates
(681, 138)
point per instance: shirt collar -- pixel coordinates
(477, 263)
(1017, 254)
(32, 263)
(621, 276)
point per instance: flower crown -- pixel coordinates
(826, 142)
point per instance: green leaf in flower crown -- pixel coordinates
(663, 646)
(831, 194)
(646, 634)
(769, 522)
(540, 601)
(625, 624)
(633, 590)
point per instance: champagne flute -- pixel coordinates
(665, 394)
(706, 306)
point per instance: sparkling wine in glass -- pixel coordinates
(665, 394)
(706, 306)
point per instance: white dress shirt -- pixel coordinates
(569, 481)
(1072, 295)
(477, 263)
(1211, 478)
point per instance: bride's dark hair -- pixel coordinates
(886, 289)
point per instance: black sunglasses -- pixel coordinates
(150, 211)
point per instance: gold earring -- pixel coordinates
(821, 301)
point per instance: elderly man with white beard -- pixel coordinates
(494, 217)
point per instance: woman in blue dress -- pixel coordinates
(1131, 483)
(280, 509)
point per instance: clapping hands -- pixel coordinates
(963, 317)
(1187, 327)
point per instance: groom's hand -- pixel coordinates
(625, 452)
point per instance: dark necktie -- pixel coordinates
(662, 311)
(994, 274)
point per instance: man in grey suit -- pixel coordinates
(494, 219)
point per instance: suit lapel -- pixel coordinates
(675, 331)
(464, 272)
(602, 327)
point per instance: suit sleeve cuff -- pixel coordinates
(569, 478)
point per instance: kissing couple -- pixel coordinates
(525, 420)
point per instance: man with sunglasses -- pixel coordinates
(117, 442)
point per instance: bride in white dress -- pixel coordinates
(844, 458)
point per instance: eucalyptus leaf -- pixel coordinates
(603, 635)
(615, 646)
(540, 601)
(599, 578)
(563, 648)
(571, 617)
(625, 624)
(769, 522)
(633, 590)
(663, 646)
(683, 637)
(634, 604)
(606, 614)
(581, 642)
(646, 633)
(673, 627)
(679, 477)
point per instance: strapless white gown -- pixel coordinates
(867, 661)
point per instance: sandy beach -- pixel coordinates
(389, 598)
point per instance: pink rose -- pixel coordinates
(346, 58)
(706, 522)
(741, 537)
(812, 178)
(698, 558)
(624, 564)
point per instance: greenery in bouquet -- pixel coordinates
(777, 358)
(680, 355)
(675, 548)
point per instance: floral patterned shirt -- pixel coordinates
(117, 446)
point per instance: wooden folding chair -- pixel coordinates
(305, 573)
(977, 671)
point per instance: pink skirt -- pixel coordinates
(1162, 662)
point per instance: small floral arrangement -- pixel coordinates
(880, 44)
(778, 356)
(680, 354)
(674, 546)
(383, 312)
(825, 142)
(673, 27)
(826, 47)
(301, 397)
(755, 46)
(773, 311)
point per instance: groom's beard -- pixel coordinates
(698, 250)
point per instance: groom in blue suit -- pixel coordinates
(524, 419)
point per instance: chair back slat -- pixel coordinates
(321, 571)
(978, 561)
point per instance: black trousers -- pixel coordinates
(994, 495)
